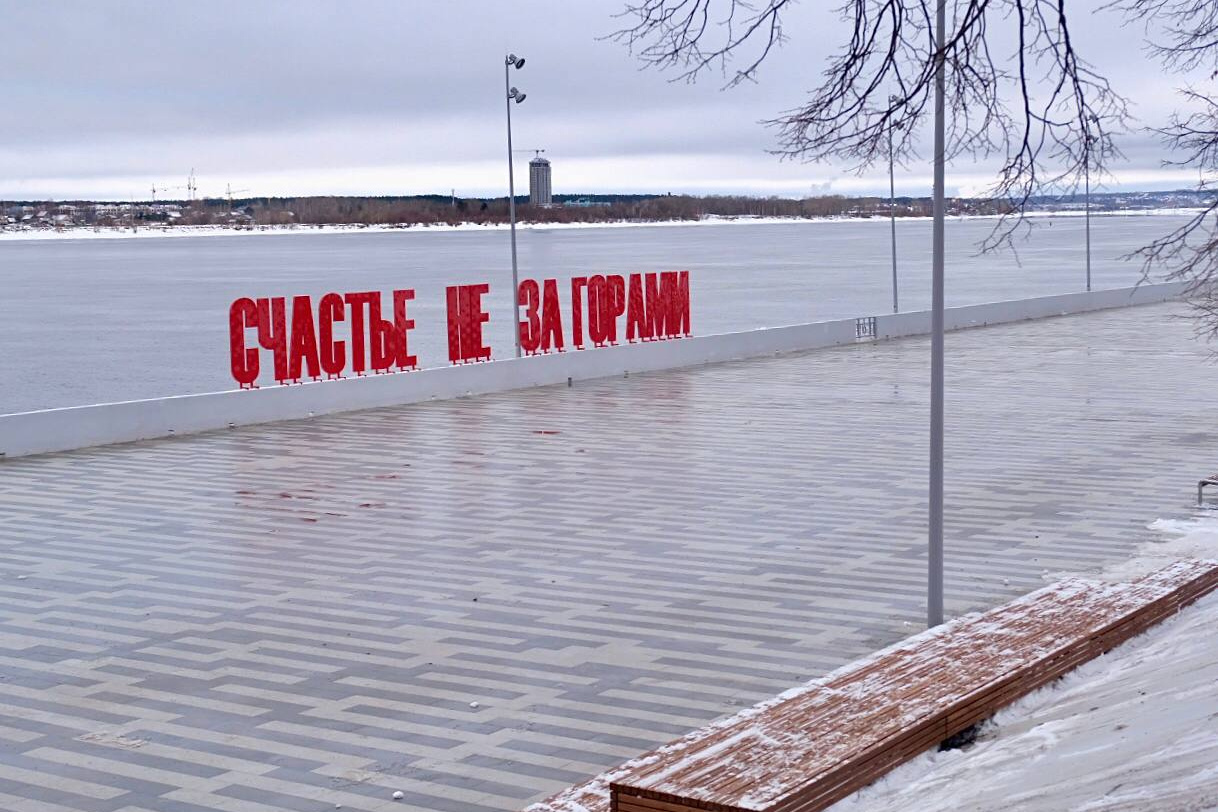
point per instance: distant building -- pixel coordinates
(539, 182)
(586, 202)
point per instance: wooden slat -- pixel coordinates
(761, 752)
(813, 746)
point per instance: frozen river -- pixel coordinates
(89, 321)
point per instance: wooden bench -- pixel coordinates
(812, 746)
(1212, 479)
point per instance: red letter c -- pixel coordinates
(243, 314)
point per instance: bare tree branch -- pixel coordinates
(1184, 35)
(1187, 30)
(674, 34)
(1041, 108)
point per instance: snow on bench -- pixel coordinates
(813, 745)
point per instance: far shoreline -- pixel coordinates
(169, 232)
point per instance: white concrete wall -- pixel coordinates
(958, 318)
(83, 426)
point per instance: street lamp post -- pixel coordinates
(934, 585)
(513, 95)
(1087, 206)
(892, 208)
(1093, 119)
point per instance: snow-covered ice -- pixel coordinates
(1136, 729)
(159, 232)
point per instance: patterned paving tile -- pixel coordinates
(480, 601)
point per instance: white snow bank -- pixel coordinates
(155, 232)
(88, 233)
(1183, 538)
(1136, 729)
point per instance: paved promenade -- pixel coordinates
(480, 601)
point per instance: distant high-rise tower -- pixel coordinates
(539, 182)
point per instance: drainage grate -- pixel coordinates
(865, 327)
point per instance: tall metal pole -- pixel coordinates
(892, 216)
(1087, 174)
(934, 592)
(512, 211)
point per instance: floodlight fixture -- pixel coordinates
(893, 101)
(513, 94)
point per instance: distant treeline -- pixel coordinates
(437, 209)
(573, 208)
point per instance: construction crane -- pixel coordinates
(230, 191)
(191, 188)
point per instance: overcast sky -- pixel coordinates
(106, 99)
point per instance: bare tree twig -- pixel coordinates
(1041, 108)
(1184, 35)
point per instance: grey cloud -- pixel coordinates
(129, 90)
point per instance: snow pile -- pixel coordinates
(1134, 730)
